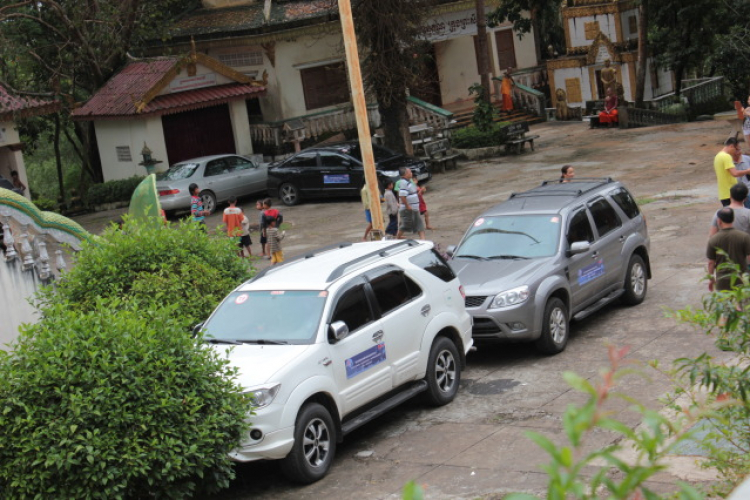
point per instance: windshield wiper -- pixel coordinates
(222, 341)
(265, 342)
(468, 256)
(507, 257)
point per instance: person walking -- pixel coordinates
(391, 210)
(232, 218)
(364, 195)
(506, 90)
(726, 173)
(728, 245)
(409, 220)
(196, 206)
(737, 196)
(274, 241)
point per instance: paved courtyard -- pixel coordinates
(475, 447)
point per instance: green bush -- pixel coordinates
(175, 264)
(118, 402)
(472, 137)
(45, 204)
(112, 191)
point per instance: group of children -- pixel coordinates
(238, 226)
(391, 209)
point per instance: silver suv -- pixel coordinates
(557, 251)
(333, 339)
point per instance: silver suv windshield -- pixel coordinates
(267, 317)
(511, 237)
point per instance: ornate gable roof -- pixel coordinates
(13, 107)
(135, 89)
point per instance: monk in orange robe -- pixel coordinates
(506, 90)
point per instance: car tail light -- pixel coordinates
(167, 192)
(461, 290)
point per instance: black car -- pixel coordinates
(335, 170)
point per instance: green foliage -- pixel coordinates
(175, 264)
(41, 167)
(112, 191)
(117, 402)
(412, 491)
(725, 314)
(544, 20)
(45, 204)
(484, 111)
(575, 470)
(472, 137)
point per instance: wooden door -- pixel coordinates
(506, 49)
(201, 132)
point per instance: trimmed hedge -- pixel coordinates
(112, 191)
(116, 403)
(472, 137)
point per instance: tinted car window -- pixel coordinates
(353, 309)
(177, 172)
(605, 217)
(434, 264)
(580, 228)
(333, 160)
(626, 203)
(391, 290)
(215, 167)
(379, 152)
(303, 160)
(238, 163)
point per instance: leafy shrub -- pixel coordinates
(472, 137)
(575, 470)
(112, 191)
(483, 110)
(175, 264)
(115, 403)
(45, 204)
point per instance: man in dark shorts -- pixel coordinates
(736, 247)
(409, 220)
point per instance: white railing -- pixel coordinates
(316, 124)
(696, 91)
(435, 117)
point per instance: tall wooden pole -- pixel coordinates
(484, 63)
(360, 112)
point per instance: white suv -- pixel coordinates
(330, 340)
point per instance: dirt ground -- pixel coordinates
(475, 447)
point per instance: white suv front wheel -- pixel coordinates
(314, 445)
(443, 372)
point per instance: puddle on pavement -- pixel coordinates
(493, 387)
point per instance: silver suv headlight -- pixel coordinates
(510, 297)
(263, 396)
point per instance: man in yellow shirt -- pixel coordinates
(726, 173)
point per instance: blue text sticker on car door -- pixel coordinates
(591, 272)
(365, 360)
(336, 179)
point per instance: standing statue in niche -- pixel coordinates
(609, 77)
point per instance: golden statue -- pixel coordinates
(609, 77)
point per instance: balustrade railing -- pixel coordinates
(525, 97)
(343, 118)
(696, 91)
(636, 117)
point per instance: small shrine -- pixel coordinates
(601, 40)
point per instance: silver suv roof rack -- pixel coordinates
(565, 189)
(383, 252)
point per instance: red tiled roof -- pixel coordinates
(20, 107)
(119, 96)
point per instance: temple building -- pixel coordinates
(598, 34)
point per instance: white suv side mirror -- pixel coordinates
(337, 331)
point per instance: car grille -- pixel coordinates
(475, 301)
(484, 326)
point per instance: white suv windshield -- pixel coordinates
(267, 317)
(510, 237)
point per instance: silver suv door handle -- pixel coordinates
(377, 336)
(425, 310)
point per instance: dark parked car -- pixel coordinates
(335, 170)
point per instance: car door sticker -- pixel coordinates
(336, 179)
(365, 360)
(590, 273)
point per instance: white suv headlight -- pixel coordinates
(391, 173)
(510, 297)
(263, 396)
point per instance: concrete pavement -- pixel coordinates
(475, 447)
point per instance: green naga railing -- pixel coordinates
(24, 212)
